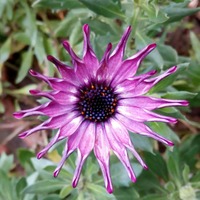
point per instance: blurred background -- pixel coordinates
(30, 30)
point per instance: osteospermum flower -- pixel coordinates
(95, 104)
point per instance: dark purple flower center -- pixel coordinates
(97, 102)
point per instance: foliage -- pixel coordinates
(30, 30)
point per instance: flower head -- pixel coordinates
(96, 103)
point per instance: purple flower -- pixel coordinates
(95, 104)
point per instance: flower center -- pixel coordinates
(97, 102)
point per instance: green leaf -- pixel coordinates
(99, 27)
(179, 95)
(141, 41)
(5, 50)
(170, 186)
(126, 193)
(142, 142)
(173, 165)
(168, 53)
(24, 156)
(6, 162)
(7, 190)
(155, 197)
(64, 173)
(21, 184)
(29, 23)
(107, 8)
(155, 14)
(194, 74)
(176, 13)
(66, 190)
(2, 108)
(189, 150)
(39, 50)
(164, 130)
(23, 91)
(100, 192)
(195, 45)
(44, 186)
(71, 21)
(57, 4)
(26, 63)
(52, 197)
(186, 173)
(156, 164)
(119, 174)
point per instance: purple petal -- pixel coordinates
(66, 71)
(130, 84)
(85, 147)
(117, 55)
(142, 87)
(72, 144)
(142, 115)
(51, 109)
(122, 136)
(55, 83)
(89, 57)
(120, 151)
(51, 123)
(53, 141)
(102, 153)
(151, 103)
(60, 97)
(70, 127)
(130, 66)
(81, 70)
(102, 72)
(142, 129)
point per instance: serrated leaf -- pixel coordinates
(107, 8)
(154, 13)
(26, 63)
